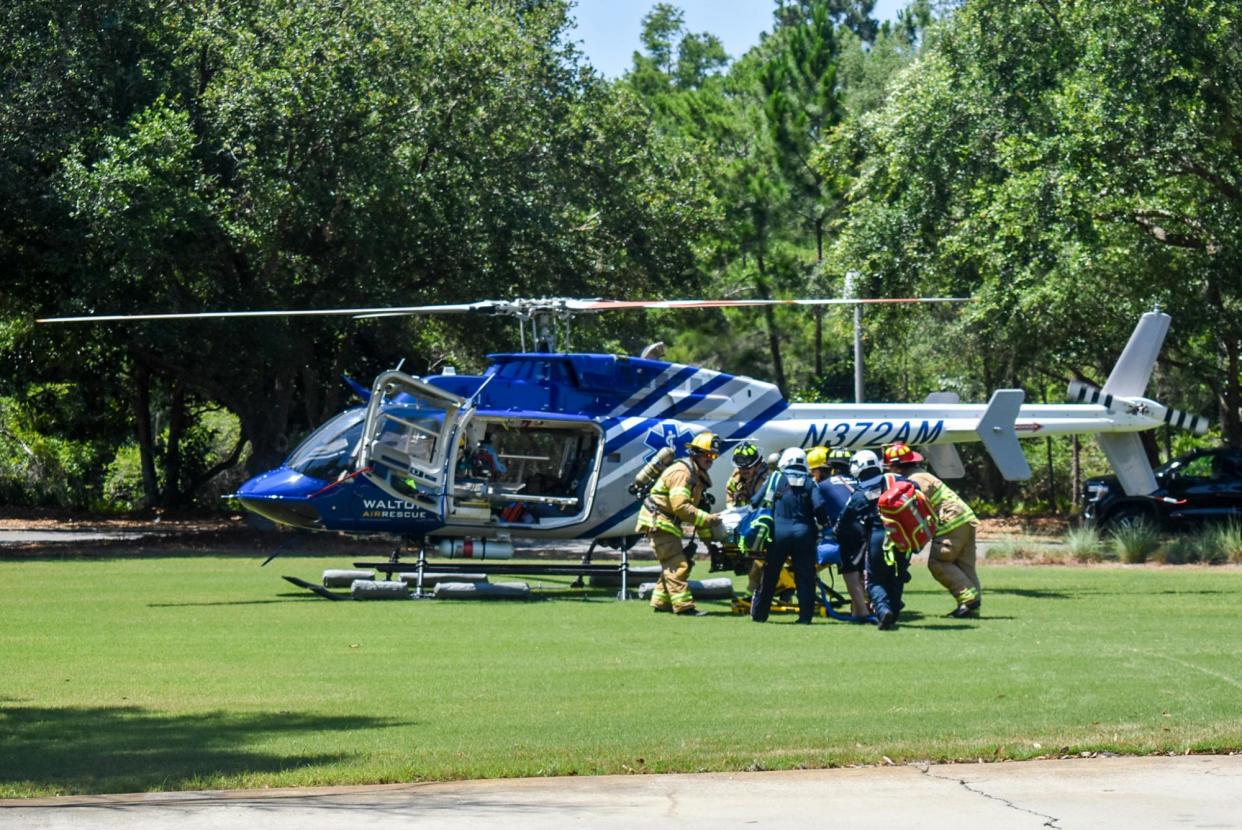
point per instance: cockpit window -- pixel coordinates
(327, 452)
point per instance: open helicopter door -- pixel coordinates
(407, 440)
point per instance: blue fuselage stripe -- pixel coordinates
(697, 396)
(629, 435)
(742, 432)
(759, 420)
(659, 391)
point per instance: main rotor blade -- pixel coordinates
(321, 312)
(520, 308)
(622, 305)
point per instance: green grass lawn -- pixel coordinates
(151, 674)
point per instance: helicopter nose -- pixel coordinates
(282, 495)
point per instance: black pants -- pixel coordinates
(799, 548)
(886, 582)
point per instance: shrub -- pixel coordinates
(1134, 542)
(122, 486)
(1222, 543)
(1084, 544)
(1178, 551)
(43, 470)
(1008, 549)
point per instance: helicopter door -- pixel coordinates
(407, 440)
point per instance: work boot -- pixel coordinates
(886, 619)
(966, 611)
(691, 612)
(660, 610)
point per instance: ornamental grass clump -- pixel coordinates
(1084, 544)
(1222, 543)
(1179, 550)
(1134, 542)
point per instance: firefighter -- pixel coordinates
(674, 501)
(831, 471)
(749, 474)
(861, 531)
(952, 557)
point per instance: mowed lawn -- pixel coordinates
(153, 674)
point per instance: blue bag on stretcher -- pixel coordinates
(828, 552)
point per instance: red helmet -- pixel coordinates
(900, 453)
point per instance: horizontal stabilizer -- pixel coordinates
(1129, 377)
(1129, 461)
(944, 458)
(996, 432)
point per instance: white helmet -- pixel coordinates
(793, 465)
(865, 466)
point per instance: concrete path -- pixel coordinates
(43, 537)
(1130, 793)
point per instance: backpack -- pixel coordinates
(754, 532)
(909, 521)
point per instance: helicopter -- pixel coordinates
(545, 444)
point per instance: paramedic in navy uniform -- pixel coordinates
(798, 508)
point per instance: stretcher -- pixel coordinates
(828, 599)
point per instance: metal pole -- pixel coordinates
(851, 291)
(858, 355)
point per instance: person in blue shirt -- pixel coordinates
(831, 471)
(798, 508)
(861, 532)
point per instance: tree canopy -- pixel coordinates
(1067, 164)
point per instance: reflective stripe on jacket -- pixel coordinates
(674, 500)
(951, 511)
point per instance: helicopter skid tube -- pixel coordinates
(490, 568)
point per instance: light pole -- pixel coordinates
(851, 292)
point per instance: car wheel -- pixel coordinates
(1128, 516)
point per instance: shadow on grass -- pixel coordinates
(222, 602)
(1031, 593)
(129, 749)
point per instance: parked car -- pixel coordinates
(1205, 485)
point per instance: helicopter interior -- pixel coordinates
(469, 466)
(509, 471)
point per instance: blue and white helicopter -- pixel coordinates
(545, 445)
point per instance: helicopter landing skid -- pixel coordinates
(317, 590)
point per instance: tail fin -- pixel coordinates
(1129, 380)
(996, 431)
(1129, 461)
(1133, 370)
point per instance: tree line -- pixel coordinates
(1067, 164)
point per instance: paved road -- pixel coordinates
(31, 537)
(1131, 793)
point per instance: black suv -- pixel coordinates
(1205, 485)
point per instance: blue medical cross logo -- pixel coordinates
(667, 435)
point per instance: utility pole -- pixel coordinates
(851, 292)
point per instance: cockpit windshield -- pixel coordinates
(326, 453)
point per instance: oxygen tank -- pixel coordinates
(475, 549)
(650, 473)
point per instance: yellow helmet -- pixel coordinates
(816, 457)
(707, 443)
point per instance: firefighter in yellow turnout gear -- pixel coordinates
(673, 503)
(952, 557)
